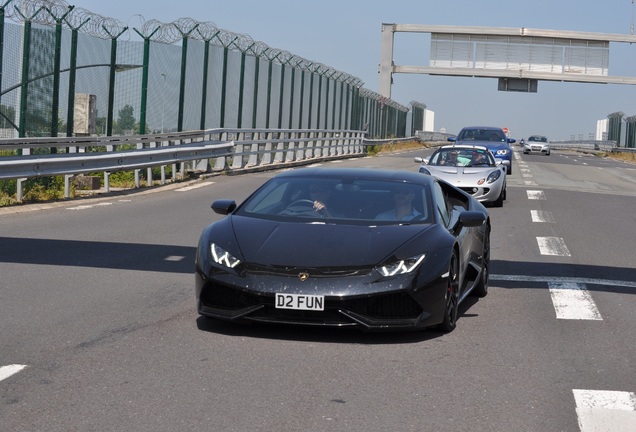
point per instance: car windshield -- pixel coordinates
(470, 157)
(538, 139)
(342, 201)
(481, 135)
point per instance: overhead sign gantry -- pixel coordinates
(518, 57)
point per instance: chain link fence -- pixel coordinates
(66, 71)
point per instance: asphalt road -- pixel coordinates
(97, 315)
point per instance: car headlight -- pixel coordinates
(223, 257)
(493, 176)
(401, 267)
(502, 152)
(425, 171)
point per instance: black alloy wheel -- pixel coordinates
(452, 296)
(481, 289)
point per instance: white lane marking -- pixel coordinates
(194, 186)
(174, 258)
(89, 206)
(573, 301)
(587, 281)
(542, 216)
(554, 246)
(7, 371)
(603, 410)
(530, 183)
(535, 195)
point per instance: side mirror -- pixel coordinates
(223, 207)
(470, 219)
(420, 160)
(451, 139)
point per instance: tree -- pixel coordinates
(7, 117)
(126, 119)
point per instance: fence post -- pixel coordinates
(67, 185)
(144, 81)
(19, 193)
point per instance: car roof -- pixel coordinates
(482, 128)
(357, 174)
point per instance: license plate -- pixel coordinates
(300, 301)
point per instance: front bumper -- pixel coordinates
(536, 149)
(349, 301)
(484, 193)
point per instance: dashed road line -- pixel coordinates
(542, 216)
(535, 195)
(7, 371)
(90, 206)
(553, 246)
(194, 186)
(603, 410)
(572, 301)
(174, 258)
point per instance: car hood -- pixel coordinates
(311, 245)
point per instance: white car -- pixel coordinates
(537, 144)
(473, 169)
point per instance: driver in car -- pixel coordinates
(478, 158)
(320, 195)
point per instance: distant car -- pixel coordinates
(537, 144)
(493, 138)
(280, 258)
(472, 169)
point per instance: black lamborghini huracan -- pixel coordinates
(369, 248)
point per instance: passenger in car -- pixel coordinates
(451, 159)
(403, 200)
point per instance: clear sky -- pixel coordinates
(345, 35)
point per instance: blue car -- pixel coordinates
(492, 138)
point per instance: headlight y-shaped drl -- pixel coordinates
(222, 257)
(401, 267)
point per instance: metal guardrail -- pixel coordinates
(593, 145)
(433, 136)
(606, 146)
(209, 150)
